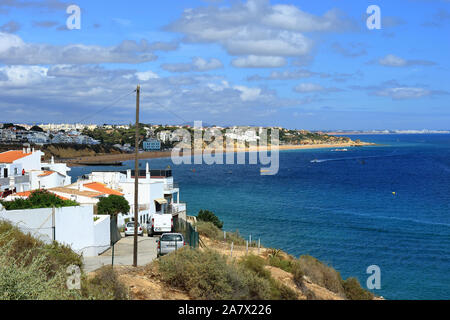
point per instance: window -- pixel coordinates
(171, 237)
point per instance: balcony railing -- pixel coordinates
(175, 208)
(170, 186)
(4, 181)
(21, 179)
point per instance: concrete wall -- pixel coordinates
(74, 226)
(37, 222)
(102, 235)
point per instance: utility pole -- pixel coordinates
(136, 180)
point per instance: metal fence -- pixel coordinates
(188, 231)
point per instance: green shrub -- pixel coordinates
(105, 285)
(33, 270)
(255, 264)
(30, 282)
(209, 230)
(320, 274)
(29, 274)
(113, 205)
(208, 216)
(354, 291)
(38, 199)
(26, 248)
(281, 263)
(297, 273)
(204, 274)
(207, 275)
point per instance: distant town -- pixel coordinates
(154, 137)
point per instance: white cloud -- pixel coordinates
(146, 75)
(13, 50)
(196, 65)
(23, 75)
(403, 93)
(75, 92)
(308, 88)
(256, 28)
(391, 60)
(248, 94)
(259, 62)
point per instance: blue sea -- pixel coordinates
(386, 205)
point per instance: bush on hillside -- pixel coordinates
(354, 291)
(33, 270)
(105, 285)
(209, 230)
(320, 274)
(207, 275)
(208, 216)
(257, 265)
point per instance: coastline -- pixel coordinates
(108, 158)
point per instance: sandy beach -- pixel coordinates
(110, 158)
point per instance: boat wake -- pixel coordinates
(353, 158)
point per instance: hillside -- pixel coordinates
(31, 269)
(67, 151)
(211, 273)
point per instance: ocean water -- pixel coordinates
(342, 210)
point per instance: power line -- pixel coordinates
(107, 107)
(171, 112)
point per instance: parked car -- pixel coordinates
(159, 224)
(129, 229)
(170, 242)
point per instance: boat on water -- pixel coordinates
(315, 161)
(340, 150)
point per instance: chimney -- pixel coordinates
(147, 171)
(53, 160)
(24, 150)
(129, 174)
(33, 150)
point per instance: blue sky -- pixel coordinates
(297, 64)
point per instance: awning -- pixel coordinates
(161, 201)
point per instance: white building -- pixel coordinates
(157, 191)
(23, 171)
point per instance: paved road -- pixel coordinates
(123, 254)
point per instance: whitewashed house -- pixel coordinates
(24, 171)
(157, 191)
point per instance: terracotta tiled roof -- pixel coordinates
(89, 194)
(26, 194)
(100, 187)
(12, 155)
(46, 173)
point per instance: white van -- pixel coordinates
(159, 223)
